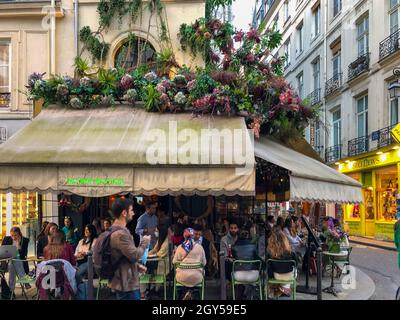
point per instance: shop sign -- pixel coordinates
(95, 182)
(371, 162)
(396, 133)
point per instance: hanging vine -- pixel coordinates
(109, 10)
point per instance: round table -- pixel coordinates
(331, 255)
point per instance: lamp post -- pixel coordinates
(394, 88)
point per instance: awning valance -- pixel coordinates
(310, 180)
(101, 152)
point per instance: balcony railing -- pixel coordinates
(358, 146)
(383, 137)
(333, 154)
(5, 100)
(333, 84)
(315, 97)
(358, 66)
(319, 150)
(390, 45)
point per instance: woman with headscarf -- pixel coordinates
(189, 252)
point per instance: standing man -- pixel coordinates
(397, 238)
(125, 282)
(147, 223)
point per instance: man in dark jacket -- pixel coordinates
(17, 267)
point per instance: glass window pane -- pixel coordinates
(4, 54)
(394, 112)
(4, 78)
(394, 22)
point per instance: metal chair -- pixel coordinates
(156, 278)
(250, 263)
(186, 266)
(345, 263)
(291, 282)
(22, 280)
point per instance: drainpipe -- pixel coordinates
(76, 26)
(326, 136)
(53, 38)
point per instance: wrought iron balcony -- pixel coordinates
(383, 137)
(315, 97)
(333, 154)
(319, 150)
(333, 84)
(358, 66)
(5, 100)
(390, 45)
(358, 146)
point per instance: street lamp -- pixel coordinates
(394, 88)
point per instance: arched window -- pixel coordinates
(134, 53)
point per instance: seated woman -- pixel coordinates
(294, 240)
(43, 239)
(58, 248)
(279, 249)
(189, 252)
(84, 246)
(17, 267)
(245, 249)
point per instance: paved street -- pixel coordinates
(381, 266)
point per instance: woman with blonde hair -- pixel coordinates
(279, 248)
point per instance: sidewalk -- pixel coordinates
(387, 245)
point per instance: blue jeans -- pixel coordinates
(127, 295)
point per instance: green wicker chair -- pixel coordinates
(344, 262)
(291, 282)
(156, 278)
(24, 280)
(186, 266)
(257, 282)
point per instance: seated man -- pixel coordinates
(227, 242)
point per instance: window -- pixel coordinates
(337, 128)
(5, 77)
(316, 23)
(127, 55)
(362, 117)
(336, 62)
(362, 36)
(386, 193)
(286, 11)
(337, 7)
(394, 15)
(300, 38)
(394, 111)
(300, 85)
(316, 74)
(286, 47)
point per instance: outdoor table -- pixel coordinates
(331, 289)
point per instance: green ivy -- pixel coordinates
(97, 48)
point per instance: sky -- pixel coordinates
(243, 13)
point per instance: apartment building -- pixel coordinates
(340, 56)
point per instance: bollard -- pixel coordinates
(222, 274)
(319, 273)
(90, 276)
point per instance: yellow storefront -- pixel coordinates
(378, 172)
(18, 209)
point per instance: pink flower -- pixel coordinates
(254, 35)
(238, 37)
(250, 58)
